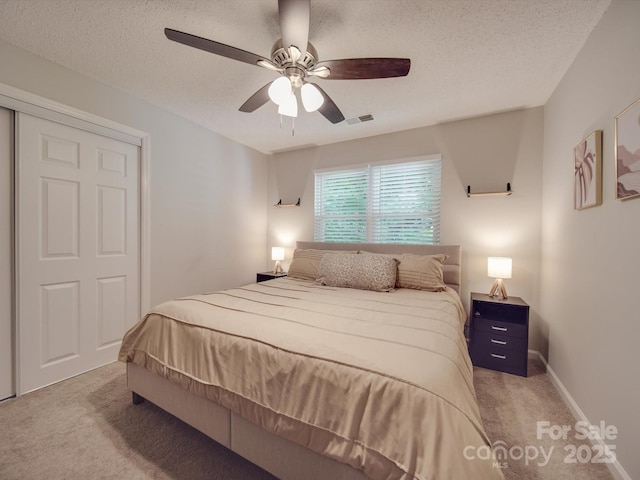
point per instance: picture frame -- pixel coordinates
(627, 152)
(587, 171)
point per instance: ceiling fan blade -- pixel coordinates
(214, 47)
(294, 23)
(329, 109)
(256, 100)
(366, 68)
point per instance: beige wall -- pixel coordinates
(208, 194)
(485, 152)
(590, 258)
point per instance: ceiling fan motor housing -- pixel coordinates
(281, 57)
(296, 75)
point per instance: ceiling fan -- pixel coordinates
(296, 59)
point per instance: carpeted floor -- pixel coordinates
(87, 428)
(511, 407)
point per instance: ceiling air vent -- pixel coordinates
(362, 118)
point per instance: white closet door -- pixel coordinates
(78, 249)
(7, 385)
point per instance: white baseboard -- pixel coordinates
(615, 468)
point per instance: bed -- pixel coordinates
(310, 379)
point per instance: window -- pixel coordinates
(380, 203)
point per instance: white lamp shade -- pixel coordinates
(499, 267)
(289, 107)
(277, 253)
(280, 90)
(312, 99)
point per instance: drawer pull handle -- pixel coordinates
(501, 357)
(500, 329)
(499, 342)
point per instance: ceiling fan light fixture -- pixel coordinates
(312, 99)
(289, 107)
(280, 90)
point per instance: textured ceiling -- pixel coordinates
(468, 57)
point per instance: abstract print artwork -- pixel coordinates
(587, 176)
(627, 128)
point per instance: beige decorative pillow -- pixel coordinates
(366, 272)
(420, 272)
(305, 262)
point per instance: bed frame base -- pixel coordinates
(282, 458)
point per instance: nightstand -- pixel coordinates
(264, 276)
(500, 333)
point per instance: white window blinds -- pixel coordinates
(390, 203)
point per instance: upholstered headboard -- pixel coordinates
(451, 268)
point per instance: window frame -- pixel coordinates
(371, 235)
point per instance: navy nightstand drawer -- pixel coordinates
(500, 328)
(503, 310)
(499, 343)
(510, 361)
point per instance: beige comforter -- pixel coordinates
(381, 381)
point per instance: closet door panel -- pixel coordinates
(78, 237)
(7, 366)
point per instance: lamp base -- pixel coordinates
(278, 267)
(498, 289)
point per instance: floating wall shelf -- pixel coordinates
(508, 191)
(280, 204)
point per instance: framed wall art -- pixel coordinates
(587, 171)
(627, 133)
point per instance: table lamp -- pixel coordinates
(277, 254)
(499, 268)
